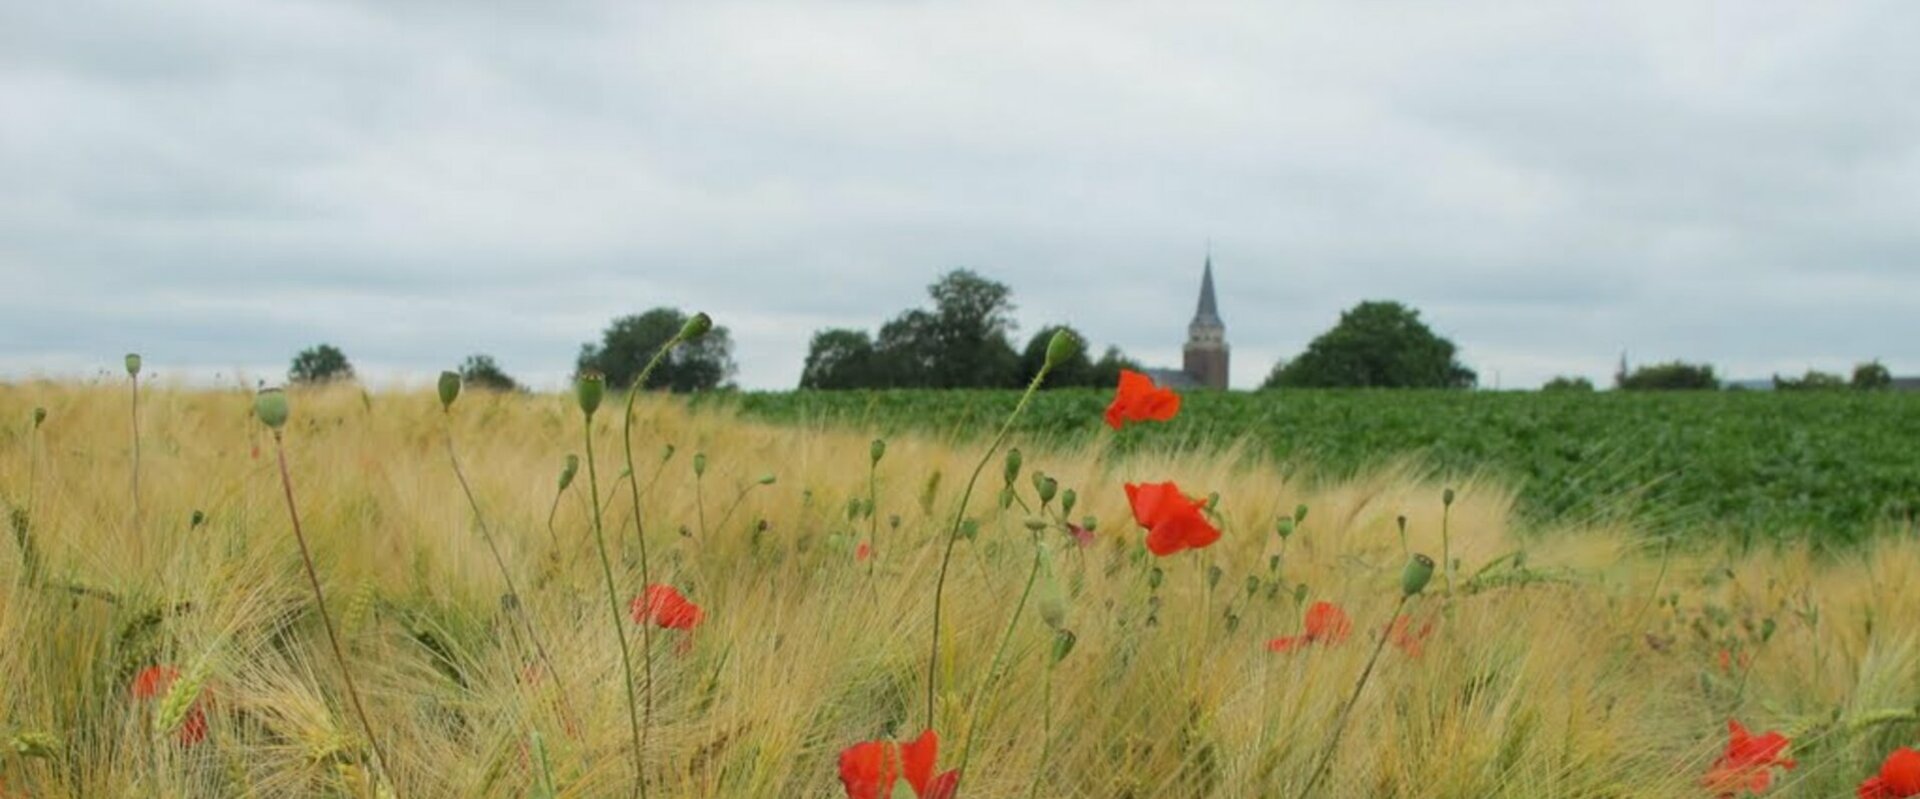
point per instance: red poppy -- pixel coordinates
(1899, 777)
(1409, 640)
(154, 682)
(1139, 400)
(1748, 763)
(1173, 521)
(1081, 535)
(664, 605)
(1326, 624)
(1727, 661)
(869, 769)
(862, 552)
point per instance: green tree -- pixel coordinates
(961, 343)
(1871, 376)
(1075, 372)
(840, 358)
(320, 363)
(479, 371)
(1377, 345)
(629, 341)
(1670, 376)
(1106, 371)
(1813, 380)
(1565, 383)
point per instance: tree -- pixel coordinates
(479, 371)
(321, 363)
(630, 341)
(1106, 371)
(970, 325)
(1565, 383)
(1377, 345)
(1814, 380)
(1871, 376)
(1670, 376)
(1077, 371)
(839, 358)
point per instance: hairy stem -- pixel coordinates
(642, 737)
(613, 603)
(1340, 724)
(993, 671)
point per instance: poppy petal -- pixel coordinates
(917, 759)
(868, 770)
(943, 786)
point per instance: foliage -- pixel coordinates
(1077, 371)
(628, 342)
(1759, 464)
(1376, 345)
(1872, 376)
(480, 371)
(1566, 383)
(1669, 376)
(320, 364)
(1814, 380)
(840, 358)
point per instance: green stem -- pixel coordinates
(1046, 731)
(873, 519)
(326, 620)
(993, 670)
(953, 538)
(1446, 546)
(613, 602)
(1340, 725)
(136, 450)
(645, 733)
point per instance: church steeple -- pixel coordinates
(1206, 350)
(1209, 312)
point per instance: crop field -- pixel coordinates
(760, 620)
(1754, 466)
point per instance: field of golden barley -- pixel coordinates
(159, 637)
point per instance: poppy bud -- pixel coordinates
(1253, 585)
(569, 467)
(449, 389)
(1154, 577)
(39, 416)
(1006, 497)
(969, 529)
(1766, 630)
(1299, 513)
(271, 406)
(666, 453)
(878, 450)
(194, 521)
(1213, 501)
(589, 388)
(1402, 521)
(767, 479)
(1013, 465)
(893, 521)
(1273, 563)
(699, 464)
(1062, 347)
(697, 325)
(133, 364)
(1300, 593)
(1283, 528)
(1214, 573)
(1092, 523)
(1067, 500)
(1063, 642)
(853, 508)
(1446, 497)
(1414, 580)
(1048, 487)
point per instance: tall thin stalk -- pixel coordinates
(133, 373)
(993, 671)
(590, 389)
(1340, 724)
(271, 407)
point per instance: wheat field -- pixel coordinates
(1561, 663)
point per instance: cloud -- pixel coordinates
(225, 183)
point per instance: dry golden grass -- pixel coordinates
(1560, 678)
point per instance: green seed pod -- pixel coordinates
(133, 364)
(1418, 572)
(1048, 488)
(449, 389)
(1155, 577)
(970, 529)
(1402, 521)
(666, 453)
(1061, 348)
(877, 450)
(1091, 523)
(1214, 573)
(1767, 628)
(271, 406)
(589, 388)
(1013, 466)
(1253, 585)
(43, 745)
(699, 464)
(1068, 499)
(1273, 564)
(569, 466)
(1300, 593)
(1446, 497)
(1063, 642)
(697, 325)
(39, 417)
(1006, 497)
(1299, 513)
(1283, 528)
(767, 479)
(854, 507)
(198, 518)
(1213, 501)
(1036, 525)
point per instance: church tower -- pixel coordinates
(1206, 351)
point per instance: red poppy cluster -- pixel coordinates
(1172, 519)
(1748, 762)
(154, 682)
(869, 769)
(1899, 777)
(665, 606)
(1326, 624)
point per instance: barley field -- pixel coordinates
(161, 638)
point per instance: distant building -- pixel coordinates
(1906, 384)
(1205, 361)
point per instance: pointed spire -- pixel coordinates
(1209, 311)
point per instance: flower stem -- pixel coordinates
(1340, 725)
(643, 732)
(613, 603)
(326, 620)
(953, 537)
(993, 671)
(1046, 731)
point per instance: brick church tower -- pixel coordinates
(1206, 351)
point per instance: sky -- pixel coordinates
(217, 184)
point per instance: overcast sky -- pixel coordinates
(218, 184)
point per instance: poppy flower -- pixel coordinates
(869, 769)
(1748, 763)
(1406, 638)
(1173, 521)
(1899, 777)
(1326, 624)
(862, 552)
(664, 605)
(1081, 535)
(1139, 400)
(153, 682)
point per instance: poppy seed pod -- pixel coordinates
(1067, 500)
(1092, 523)
(271, 406)
(1036, 525)
(1061, 348)
(568, 468)
(1013, 466)
(1414, 579)
(39, 416)
(1048, 488)
(877, 450)
(589, 388)
(1446, 497)
(1283, 528)
(699, 464)
(767, 479)
(133, 363)
(1063, 642)
(1155, 577)
(449, 389)
(1214, 573)
(1299, 513)
(697, 325)
(198, 518)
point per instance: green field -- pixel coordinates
(1755, 465)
